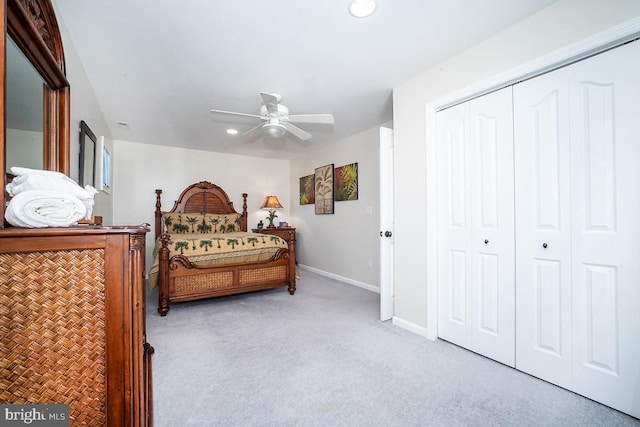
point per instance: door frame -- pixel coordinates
(589, 46)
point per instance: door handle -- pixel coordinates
(486, 241)
(387, 234)
(544, 245)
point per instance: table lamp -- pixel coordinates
(271, 203)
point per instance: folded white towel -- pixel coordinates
(38, 209)
(35, 179)
(17, 170)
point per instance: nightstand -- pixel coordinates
(286, 233)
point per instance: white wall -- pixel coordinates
(139, 169)
(84, 106)
(559, 25)
(344, 244)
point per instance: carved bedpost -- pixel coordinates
(243, 223)
(158, 213)
(163, 276)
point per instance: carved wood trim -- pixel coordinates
(39, 20)
(33, 26)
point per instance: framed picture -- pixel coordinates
(345, 186)
(307, 193)
(87, 164)
(324, 189)
(104, 167)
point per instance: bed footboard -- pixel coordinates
(180, 280)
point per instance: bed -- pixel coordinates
(203, 250)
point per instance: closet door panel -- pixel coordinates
(454, 241)
(476, 226)
(493, 293)
(595, 146)
(548, 313)
(543, 230)
(489, 303)
(457, 286)
(546, 120)
(606, 230)
(487, 168)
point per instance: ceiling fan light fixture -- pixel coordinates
(362, 8)
(274, 130)
(276, 121)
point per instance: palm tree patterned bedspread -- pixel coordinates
(216, 248)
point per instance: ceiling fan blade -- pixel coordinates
(253, 130)
(235, 114)
(271, 102)
(297, 131)
(311, 118)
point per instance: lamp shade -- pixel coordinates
(271, 202)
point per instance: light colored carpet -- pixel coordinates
(323, 358)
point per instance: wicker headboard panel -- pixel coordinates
(201, 197)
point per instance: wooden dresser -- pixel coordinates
(72, 322)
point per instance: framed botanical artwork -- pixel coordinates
(307, 193)
(324, 189)
(345, 182)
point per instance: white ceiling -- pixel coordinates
(161, 65)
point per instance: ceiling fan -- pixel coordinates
(276, 120)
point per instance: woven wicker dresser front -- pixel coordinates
(72, 327)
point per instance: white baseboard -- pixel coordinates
(412, 327)
(353, 282)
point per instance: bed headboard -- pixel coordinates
(202, 197)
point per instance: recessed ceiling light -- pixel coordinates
(232, 131)
(362, 8)
(122, 125)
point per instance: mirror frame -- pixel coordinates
(87, 159)
(33, 27)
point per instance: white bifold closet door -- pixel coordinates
(476, 229)
(577, 163)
